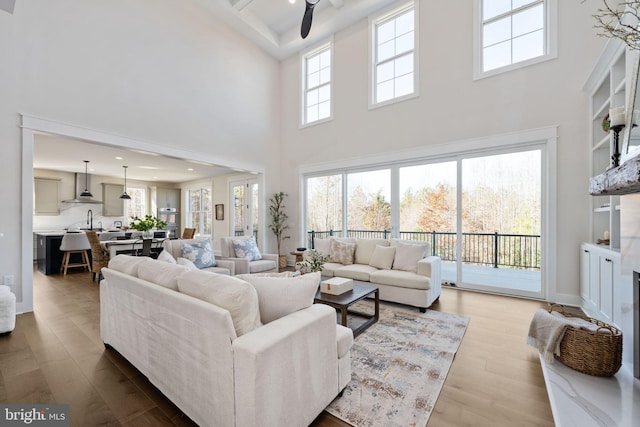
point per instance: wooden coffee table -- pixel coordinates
(343, 301)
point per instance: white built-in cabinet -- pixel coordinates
(599, 274)
(46, 197)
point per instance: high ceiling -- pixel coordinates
(275, 24)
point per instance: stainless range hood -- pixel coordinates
(83, 181)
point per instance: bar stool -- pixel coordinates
(75, 243)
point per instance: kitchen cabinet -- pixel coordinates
(48, 254)
(168, 198)
(112, 205)
(47, 196)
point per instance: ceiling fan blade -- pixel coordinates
(307, 18)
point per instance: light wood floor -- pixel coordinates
(55, 355)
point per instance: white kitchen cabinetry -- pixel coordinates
(112, 205)
(168, 198)
(47, 196)
(599, 281)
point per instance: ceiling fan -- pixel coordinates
(308, 17)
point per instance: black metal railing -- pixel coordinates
(521, 251)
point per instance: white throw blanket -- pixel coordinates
(547, 330)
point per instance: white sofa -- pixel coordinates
(401, 274)
(268, 263)
(173, 247)
(206, 359)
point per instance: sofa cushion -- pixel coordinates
(200, 253)
(246, 248)
(365, 249)
(382, 257)
(323, 246)
(165, 256)
(236, 296)
(161, 273)
(355, 272)
(127, 264)
(261, 265)
(329, 268)
(341, 252)
(408, 254)
(280, 296)
(188, 264)
(404, 279)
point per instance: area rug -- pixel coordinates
(399, 366)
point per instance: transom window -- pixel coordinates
(394, 54)
(316, 102)
(514, 32)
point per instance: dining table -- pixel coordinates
(128, 245)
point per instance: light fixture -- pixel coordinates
(86, 192)
(125, 196)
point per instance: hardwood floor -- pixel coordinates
(55, 355)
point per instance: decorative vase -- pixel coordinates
(147, 234)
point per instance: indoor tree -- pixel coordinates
(278, 223)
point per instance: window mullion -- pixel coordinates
(511, 12)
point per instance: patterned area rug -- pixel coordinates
(399, 366)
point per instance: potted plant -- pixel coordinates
(278, 223)
(312, 261)
(146, 224)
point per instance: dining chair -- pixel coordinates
(99, 256)
(188, 233)
(74, 243)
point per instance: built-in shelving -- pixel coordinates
(607, 89)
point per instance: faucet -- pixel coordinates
(90, 219)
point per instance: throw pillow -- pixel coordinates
(127, 264)
(342, 252)
(322, 245)
(382, 257)
(200, 253)
(246, 248)
(280, 296)
(165, 256)
(161, 273)
(236, 296)
(408, 255)
(186, 263)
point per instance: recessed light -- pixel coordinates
(118, 158)
(190, 169)
(292, 1)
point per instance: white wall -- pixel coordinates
(453, 107)
(161, 71)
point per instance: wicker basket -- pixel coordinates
(592, 353)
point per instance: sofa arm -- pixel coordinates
(241, 265)
(228, 264)
(271, 257)
(286, 372)
(431, 267)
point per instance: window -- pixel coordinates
(137, 206)
(199, 215)
(316, 90)
(394, 65)
(513, 33)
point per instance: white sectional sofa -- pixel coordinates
(226, 352)
(401, 269)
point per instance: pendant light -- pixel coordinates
(125, 196)
(86, 192)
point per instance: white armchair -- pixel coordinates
(268, 263)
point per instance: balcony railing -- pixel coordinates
(521, 251)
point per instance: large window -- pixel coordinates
(316, 77)
(199, 215)
(513, 33)
(394, 55)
